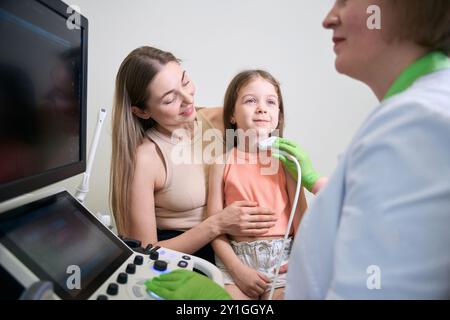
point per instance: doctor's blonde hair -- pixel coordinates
(425, 22)
(128, 131)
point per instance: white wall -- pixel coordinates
(215, 40)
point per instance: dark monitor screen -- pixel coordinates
(55, 233)
(43, 64)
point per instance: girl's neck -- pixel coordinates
(250, 145)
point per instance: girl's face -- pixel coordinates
(356, 46)
(257, 107)
(171, 102)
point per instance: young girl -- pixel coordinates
(253, 108)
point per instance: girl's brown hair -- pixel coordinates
(231, 95)
(128, 131)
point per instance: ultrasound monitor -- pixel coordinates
(43, 78)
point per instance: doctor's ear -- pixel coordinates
(143, 114)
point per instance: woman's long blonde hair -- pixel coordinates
(133, 78)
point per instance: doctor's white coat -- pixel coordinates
(380, 229)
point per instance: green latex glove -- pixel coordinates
(309, 175)
(182, 284)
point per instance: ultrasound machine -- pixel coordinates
(51, 246)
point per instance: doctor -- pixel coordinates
(379, 227)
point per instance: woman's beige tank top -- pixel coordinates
(181, 203)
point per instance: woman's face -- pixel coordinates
(171, 102)
(257, 107)
(357, 47)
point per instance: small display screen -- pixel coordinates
(59, 240)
